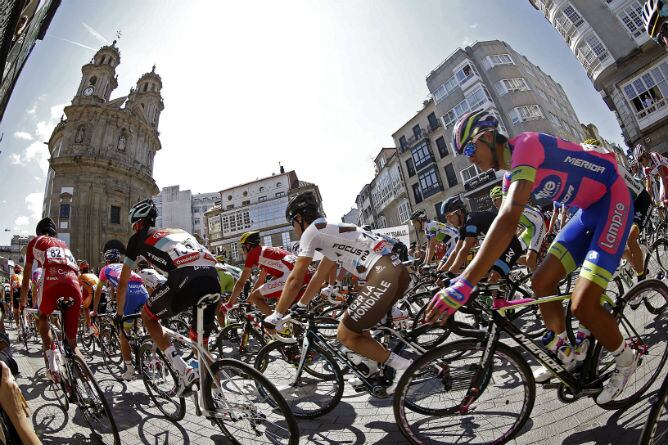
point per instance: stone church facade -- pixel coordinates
(102, 155)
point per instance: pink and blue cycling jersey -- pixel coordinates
(585, 177)
(136, 294)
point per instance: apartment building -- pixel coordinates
(200, 203)
(174, 208)
(627, 68)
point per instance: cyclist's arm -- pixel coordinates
(293, 284)
(331, 280)
(451, 259)
(324, 269)
(25, 284)
(261, 278)
(98, 295)
(430, 251)
(501, 231)
(553, 220)
(239, 285)
(16, 408)
(463, 252)
(122, 288)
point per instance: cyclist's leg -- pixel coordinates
(158, 306)
(135, 298)
(259, 295)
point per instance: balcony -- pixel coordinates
(652, 114)
(436, 188)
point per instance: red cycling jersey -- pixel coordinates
(273, 260)
(59, 278)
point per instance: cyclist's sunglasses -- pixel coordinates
(469, 149)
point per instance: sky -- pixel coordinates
(316, 85)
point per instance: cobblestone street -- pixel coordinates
(358, 419)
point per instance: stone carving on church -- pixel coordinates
(81, 133)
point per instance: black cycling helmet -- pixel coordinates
(306, 205)
(418, 215)
(145, 210)
(112, 256)
(451, 204)
(46, 227)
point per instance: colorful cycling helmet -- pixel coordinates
(639, 151)
(652, 12)
(143, 210)
(469, 126)
(496, 192)
(250, 238)
(452, 204)
(418, 215)
(112, 256)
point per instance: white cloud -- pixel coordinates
(34, 203)
(36, 152)
(32, 110)
(23, 135)
(97, 35)
(22, 221)
(57, 111)
(15, 159)
(473, 26)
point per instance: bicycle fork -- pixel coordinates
(485, 365)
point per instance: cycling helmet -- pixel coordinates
(46, 227)
(143, 210)
(496, 192)
(250, 238)
(418, 215)
(639, 151)
(469, 126)
(220, 258)
(112, 256)
(84, 267)
(452, 204)
(17, 268)
(304, 204)
(652, 12)
(592, 141)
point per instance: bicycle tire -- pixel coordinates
(231, 342)
(97, 409)
(24, 332)
(653, 339)
(111, 353)
(238, 428)
(651, 434)
(87, 341)
(178, 325)
(656, 267)
(311, 382)
(158, 366)
(490, 386)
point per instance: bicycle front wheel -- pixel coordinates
(160, 382)
(431, 406)
(656, 267)
(93, 404)
(111, 353)
(248, 409)
(655, 431)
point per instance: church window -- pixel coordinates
(103, 59)
(115, 215)
(93, 80)
(262, 189)
(143, 106)
(145, 87)
(64, 211)
(81, 133)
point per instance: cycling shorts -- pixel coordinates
(274, 287)
(16, 298)
(596, 236)
(642, 206)
(385, 284)
(534, 230)
(61, 285)
(508, 258)
(183, 288)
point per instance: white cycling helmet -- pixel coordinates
(652, 12)
(145, 209)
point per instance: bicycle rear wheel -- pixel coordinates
(646, 334)
(239, 341)
(87, 341)
(93, 404)
(656, 267)
(249, 409)
(160, 382)
(655, 431)
(428, 403)
(111, 353)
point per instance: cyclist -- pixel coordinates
(534, 232)
(583, 177)
(15, 284)
(655, 19)
(130, 303)
(151, 277)
(59, 282)
(88, 283)
(272, 261)
(471, 225)
(655, 169)
(364, 254)
(190, 275)
(436, 232)
(228, 276)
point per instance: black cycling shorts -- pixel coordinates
(642, 205)
(385, 284)
(508, 258)
(182, 290)
(16, 298)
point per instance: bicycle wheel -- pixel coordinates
(320, 385)
(93, 404)
(249, 409)
(160, 382)
(87, 341)
(646, 334)
(178, 325)
(239, 341)
(615, 291)
(655, 431)
(428, 403)
(111, 353)
(656, 267)
(23, 331)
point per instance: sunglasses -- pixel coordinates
(469, 149)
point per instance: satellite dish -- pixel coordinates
(114, 244)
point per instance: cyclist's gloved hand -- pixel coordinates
(118, 319)
(272, 320)
(447, 301)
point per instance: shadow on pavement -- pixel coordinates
(49, 419)
(154, 430)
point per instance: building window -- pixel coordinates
(245, 203)
(476, 98)
(245, 193)
(64, 213)
(630, 16)
(470, 172)
(115, 215)
(404, 211)
(410, 167)
(92, 81)
(280, 194)
(450, 175)
(267, 240)
(262, 189)
(445, 89)
(526, 113)
(195, 209)
(417, 131)
(416, 193)
(421, 155)
(198, 221)
(230, 206)
(430, 183)
(433, 121)
(647, 93)
(591, 53)
(464, 74)
(285, 239)
(442, 147)
(261, 198)
(403, 143)
(505, 86)
(554, 119)
(573, 16)
(498, 59)
(278, 185)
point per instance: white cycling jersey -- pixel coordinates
(634, 185)
(151, 278)
(354, 249)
